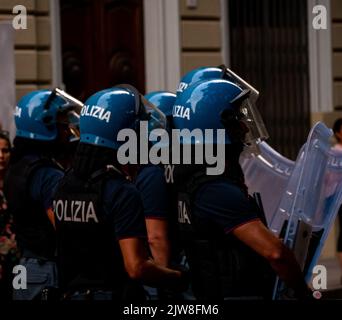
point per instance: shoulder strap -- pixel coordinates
(109, 171)
(100, 177)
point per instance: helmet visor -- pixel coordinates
(68, 118)
(70, 101)
(69, 122)
(63, 101)
(74, 125)
(156, 118)
(252, 119)
(250, 115)
(146, 110)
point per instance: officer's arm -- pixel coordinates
(140, 267)
(157, 231)
(51, 217)
(255, 235)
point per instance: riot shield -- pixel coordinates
(267, 173)
(311, 200)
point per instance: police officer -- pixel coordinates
(99, 214)
(155, 194)
(43, 129)
(225, 241)
(151, 183)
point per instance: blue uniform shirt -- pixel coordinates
(224, 204)
(43, 185)
(152, 186)
(125, 209)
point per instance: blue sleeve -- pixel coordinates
(125, 209)
(152, 186)
(225, 205)
(43, 185)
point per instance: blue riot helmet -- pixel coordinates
(200, 74)
(108, 111)
(164, 101)
(218, 104)
(40, 114)
(211, 73)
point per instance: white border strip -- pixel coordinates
(320, 61)
(225, 32)
(56, 47)
(162, 44)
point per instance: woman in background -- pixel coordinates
(8, 250)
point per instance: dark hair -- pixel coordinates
(5, 136)
(337, 125)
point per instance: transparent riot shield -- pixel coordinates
(267, 173)
(310, 203)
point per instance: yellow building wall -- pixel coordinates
(201, 43)
(32, 46)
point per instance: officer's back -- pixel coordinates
(99, 216)
(31, 180)
(92, 214)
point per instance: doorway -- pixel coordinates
(102, 45)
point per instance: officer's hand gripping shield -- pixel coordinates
(310, 202)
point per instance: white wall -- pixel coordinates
(162, 48)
